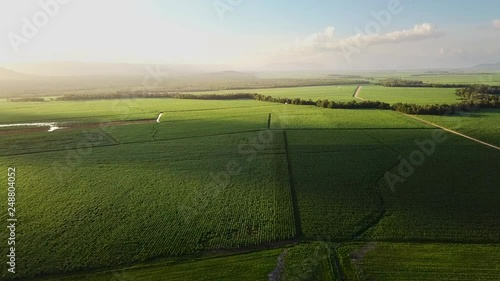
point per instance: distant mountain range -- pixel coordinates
(486, 67)
(7, 74)
(279, 67)
(40, 71)
(109, 69)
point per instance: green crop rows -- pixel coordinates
(214, 178)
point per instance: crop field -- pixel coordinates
(304, 117)
(308, 261)
(401, 261)
(108, 110)
(227, 176)
(489, 78)
(422, 96)
(483, 124)
(178, 197)
(333, 202)
(427, 206)
(39, 141)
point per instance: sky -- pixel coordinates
(336, 34)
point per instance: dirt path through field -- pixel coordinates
(356, 94)
(454, 132)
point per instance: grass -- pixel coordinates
(402, 261)
(421, 96)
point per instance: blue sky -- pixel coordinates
(252, 32)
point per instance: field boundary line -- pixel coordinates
(382, 143)
(109, 136)
(454, 132)
(194, 137)
(356, 93)
(295, 204)
(56, 150)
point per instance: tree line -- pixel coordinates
(325, 103)
(481, 95)
(434, 109)
(154, 95)
(398, 82)
(27, 99)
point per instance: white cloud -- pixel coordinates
(326, 40)
(496, 24)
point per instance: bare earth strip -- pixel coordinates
(454, 132)
(356, 94)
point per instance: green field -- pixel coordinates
(489, 78)
(178, 197)
(460, 203)
(483, 124)
(309, 261)
(422, 96)
(232, 176)
(401, 261)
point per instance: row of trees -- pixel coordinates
(435, 109)
(27, 99)
(398, 82)
(146, 95)
(481, 95)
(407, 108)
(325, 103)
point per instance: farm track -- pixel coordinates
(454, 132)
(356, 93)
